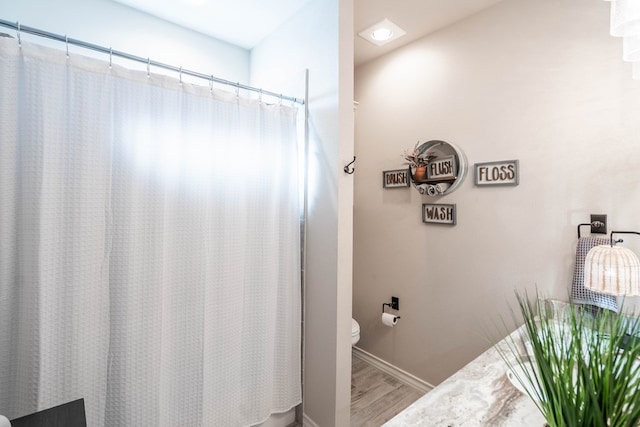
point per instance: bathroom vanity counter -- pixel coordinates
(479, 394)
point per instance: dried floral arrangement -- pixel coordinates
(415, 159)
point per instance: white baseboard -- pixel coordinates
(308, 422)
(386, 367)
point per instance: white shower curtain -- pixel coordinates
(149, 246)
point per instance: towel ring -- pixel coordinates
(595, 224)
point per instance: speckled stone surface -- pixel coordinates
(479, 394)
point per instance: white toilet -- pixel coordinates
(355, 332)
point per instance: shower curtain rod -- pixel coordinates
(111, 52)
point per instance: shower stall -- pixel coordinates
(151, 240)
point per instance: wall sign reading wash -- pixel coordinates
(496, 173)
(435, 213)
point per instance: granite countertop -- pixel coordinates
(479, 394)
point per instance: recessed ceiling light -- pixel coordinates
(382, 33)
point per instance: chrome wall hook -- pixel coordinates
(348, 169)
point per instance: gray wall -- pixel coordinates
(540, 81)
(320, 39)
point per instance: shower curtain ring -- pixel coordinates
(237, 89)
(260, 98)
(66, 44)
(148, 68)
(18, 34)
(180, 76)
(211, 84)
(110, 57)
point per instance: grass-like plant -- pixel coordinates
(586, 368)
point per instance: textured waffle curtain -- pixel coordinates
(149, 246)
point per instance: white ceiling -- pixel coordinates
(417, 17)
(246, 22)
(240, 22)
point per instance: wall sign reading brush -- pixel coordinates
(397, 178)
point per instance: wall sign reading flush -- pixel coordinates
(442, 167)
(436, 213)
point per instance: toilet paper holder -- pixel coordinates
(394, 304)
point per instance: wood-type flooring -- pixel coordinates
(376, 397)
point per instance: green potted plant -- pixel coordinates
(584, 370)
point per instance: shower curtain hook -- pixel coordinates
(148, 68)
(18, 34)
(260, 98)
(211, 84)
(110, 57)
(237, 89)
(180, 76)
(66, 44)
